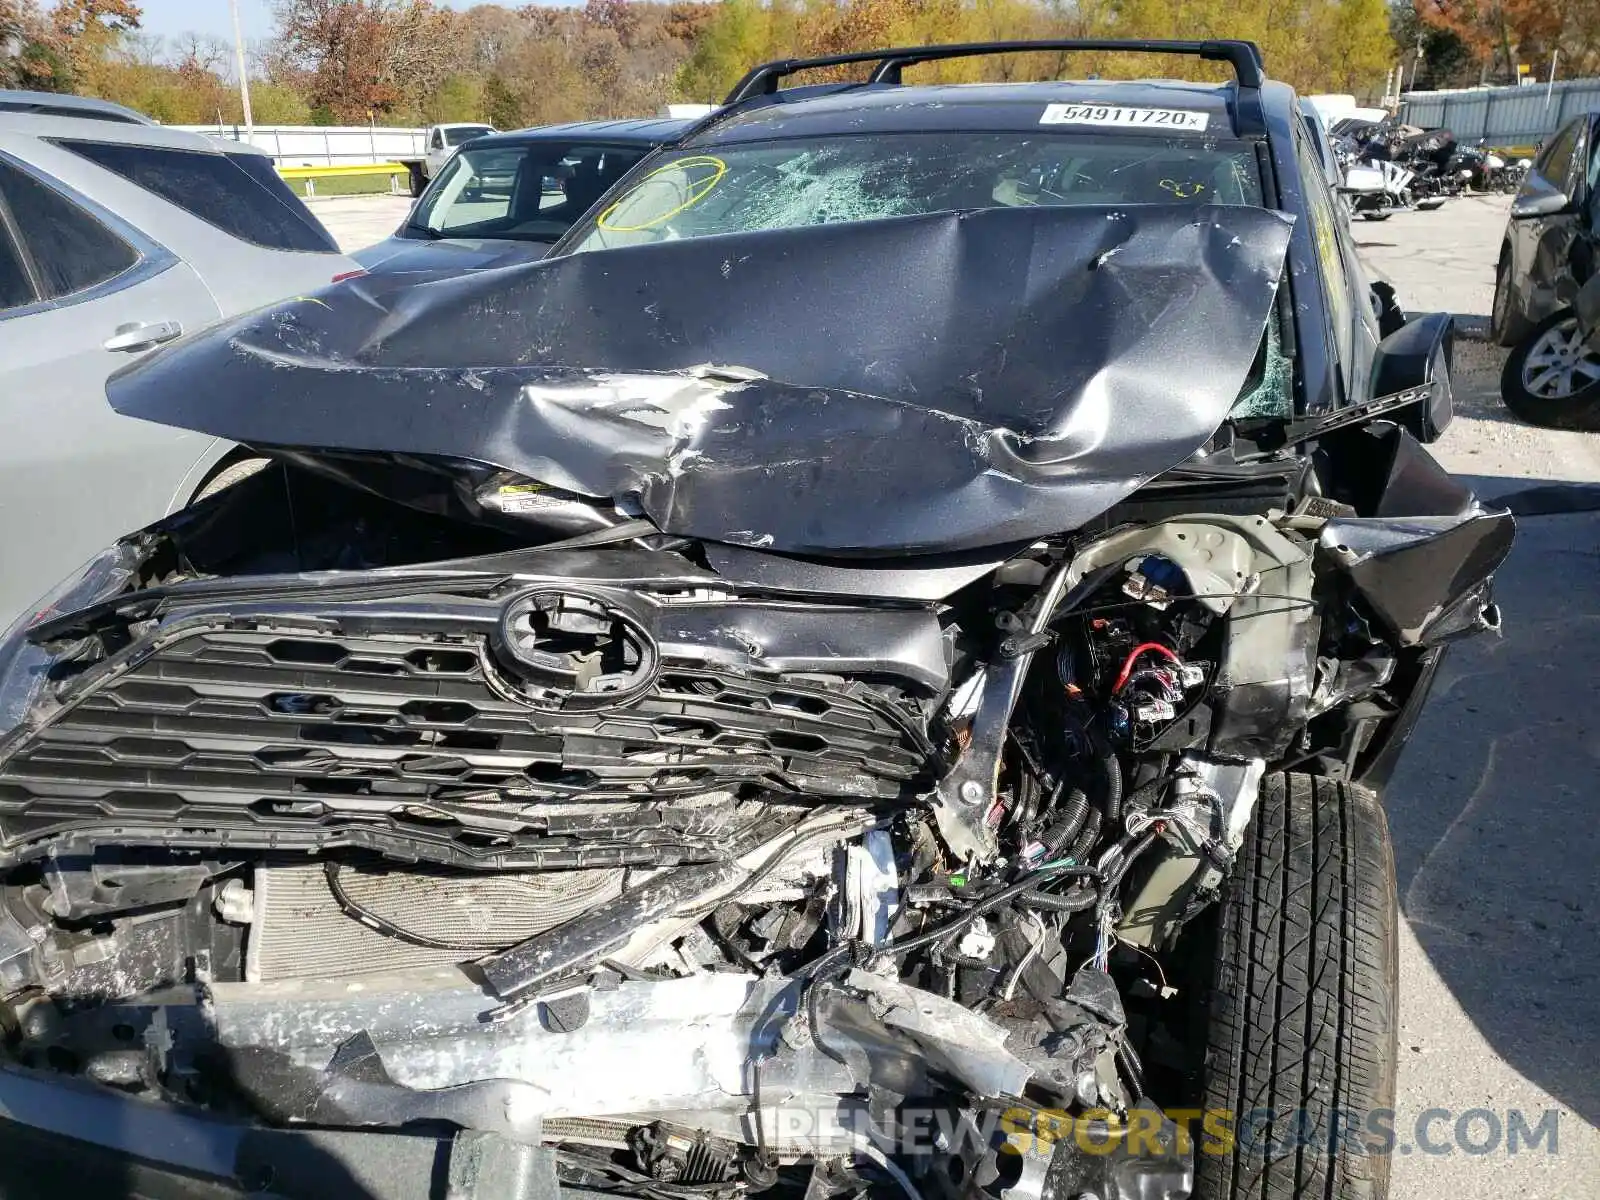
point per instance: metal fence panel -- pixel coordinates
(1505, 116)
(326, 145)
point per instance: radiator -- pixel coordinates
(299, 930)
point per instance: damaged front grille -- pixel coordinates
(424, 745)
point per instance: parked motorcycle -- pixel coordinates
(1478, 168)
(1376, 190)
(1393, 168)
(1512, 177)
(1426, 153)
(1473, 168)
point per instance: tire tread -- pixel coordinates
(1302, 1018)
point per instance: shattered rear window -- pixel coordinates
(863, 177)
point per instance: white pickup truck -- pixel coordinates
(443, 141)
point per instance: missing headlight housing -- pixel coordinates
(24, 666)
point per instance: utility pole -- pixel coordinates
(244, 78)
(1505, 43)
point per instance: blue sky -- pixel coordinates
(168, 17)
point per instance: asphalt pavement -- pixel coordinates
(1496, 846)
(357, 221)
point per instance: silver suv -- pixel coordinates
(116, 236)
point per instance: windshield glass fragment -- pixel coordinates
(824, 181)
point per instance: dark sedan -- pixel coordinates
(507, 197)
(1552, 375)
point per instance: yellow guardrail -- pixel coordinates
(396, 171)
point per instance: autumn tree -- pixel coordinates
(486, 34)
(740, 34)
(610, 58)
(28, 55)
(1431, 57)
(1499, 34)
(1320, 45)
(364, 58)
(1480, 25)
(277, 104)
(416, 61)
(86, 30)
(201, 52)
(57, 51)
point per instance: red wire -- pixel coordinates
(1127, 666)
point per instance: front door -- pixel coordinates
(88, 296)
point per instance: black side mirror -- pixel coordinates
(1419, 355)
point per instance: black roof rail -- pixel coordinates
(51, 104)
(1244, 57)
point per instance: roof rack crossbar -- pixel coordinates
(1244, 57)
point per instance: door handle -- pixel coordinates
(142, 335)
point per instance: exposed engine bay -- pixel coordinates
(703, 871)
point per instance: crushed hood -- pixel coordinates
(918, 384)
(421, 258)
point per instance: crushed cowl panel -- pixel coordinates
(913, 385)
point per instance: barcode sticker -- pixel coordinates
(1119, 115)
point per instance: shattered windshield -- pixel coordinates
(862, 177)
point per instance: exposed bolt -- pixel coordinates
(972, 792)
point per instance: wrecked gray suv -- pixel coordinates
(868, 673)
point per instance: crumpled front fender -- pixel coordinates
(1426, 578)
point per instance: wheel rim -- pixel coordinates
(1559, 364)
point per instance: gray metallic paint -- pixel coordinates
(1020, 384)
(74, 475)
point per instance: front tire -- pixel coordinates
(1507, 325)
(1551, 379)
(1301, 1028)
